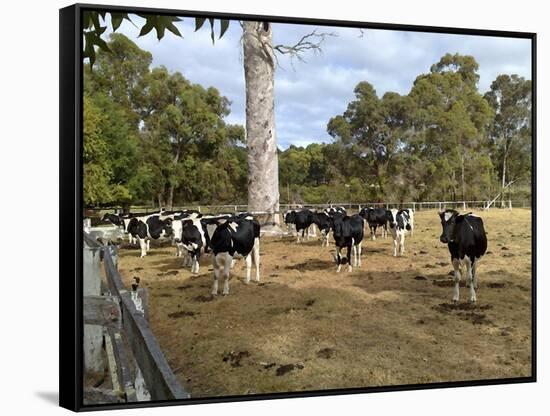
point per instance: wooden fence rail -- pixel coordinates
(160, 381)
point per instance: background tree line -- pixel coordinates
(444, 140)
(153, 137)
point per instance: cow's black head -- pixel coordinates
(289, 217)
(448, 223)
(167, 227)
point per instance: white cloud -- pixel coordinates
(309, 94)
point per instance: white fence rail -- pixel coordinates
(352, 206)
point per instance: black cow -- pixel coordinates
(301, 219)
(322, 221)
(467, 241)
(235, 237)
(149, 227)
(376, 217)
(115, 219)
(348, 232)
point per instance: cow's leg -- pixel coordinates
(216, 274)
(359, 249)
(338, 259)
(395, 246)
(148, 244)
(456, 267)
(372, 232)
(197, 260)
(226, 271)
(328, 237)
(256, 257)
(350, 267)
(384, 231)
(470, 273)
(142, 246)
(402, 244)
(474, 272)
(187, 258)
(248, 261)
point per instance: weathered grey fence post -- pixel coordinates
(93, 334)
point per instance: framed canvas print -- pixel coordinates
(256, 207)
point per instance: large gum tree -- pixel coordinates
(260, 62)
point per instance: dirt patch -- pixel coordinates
(234, 358)
(184, 287)
(287, 368)
(181, 314)
(466, 311)
(204, 298)
(496, 285)
(325, 353)
(420, 277)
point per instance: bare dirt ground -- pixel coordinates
(305, 327)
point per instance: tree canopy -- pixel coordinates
(151, 136)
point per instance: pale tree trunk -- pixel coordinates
(462, 177)
(504, 160)
(171, 188)
(263, 166)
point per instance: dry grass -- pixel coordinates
(304, 327)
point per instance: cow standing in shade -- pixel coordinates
(235, 237)
(467, 241)
(348, 233)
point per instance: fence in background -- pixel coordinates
(414, 205)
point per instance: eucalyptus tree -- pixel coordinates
(510, 98)
(260, 62)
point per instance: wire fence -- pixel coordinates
(349, 206)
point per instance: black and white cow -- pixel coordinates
(115, 219)
(335, 210)
(235, 237)
(191, 238)
(400, 224)
(348, 232)
(149, 227)
(465, 236)
(322, 221)
(376, 217)
(302, 220)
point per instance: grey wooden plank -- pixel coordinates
(158, 375)
(102, 310)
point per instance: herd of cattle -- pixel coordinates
(237, 235)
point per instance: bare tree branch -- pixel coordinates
(310, 42)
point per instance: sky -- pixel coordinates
(308, 94)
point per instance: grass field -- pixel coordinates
(305, 327)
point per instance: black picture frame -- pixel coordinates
(71, 216)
